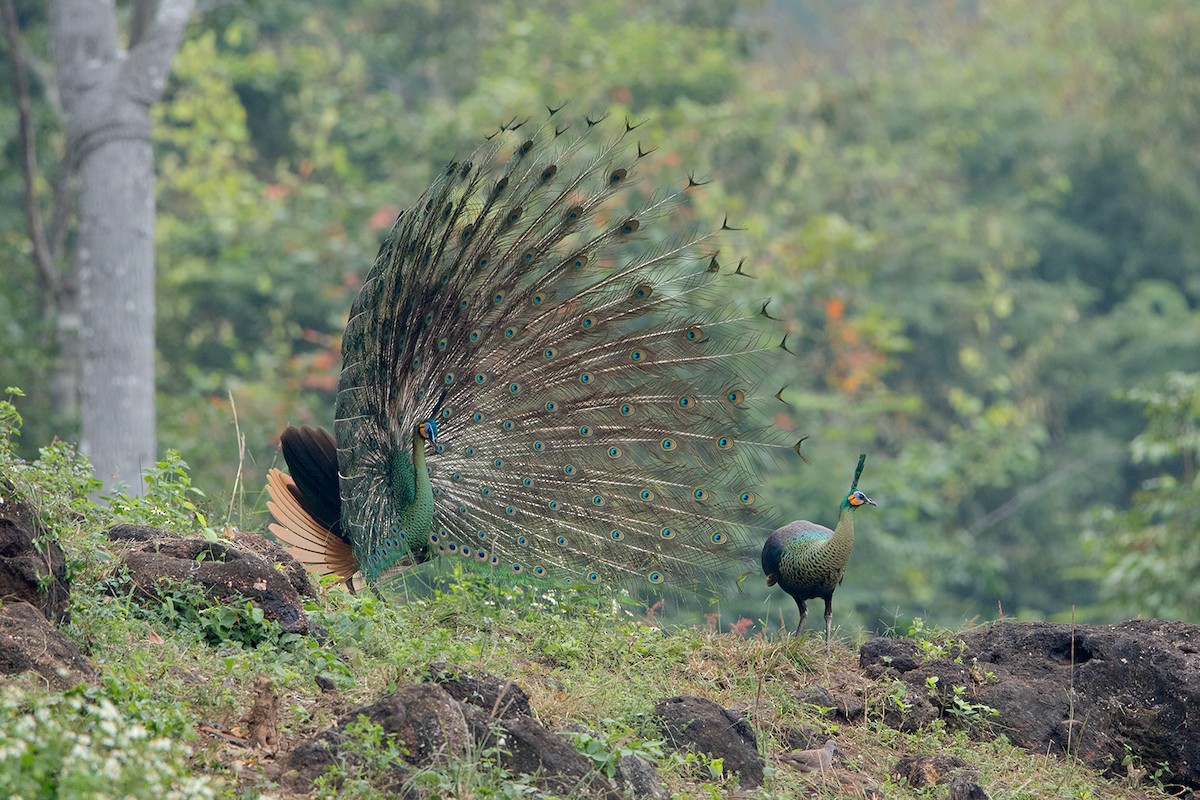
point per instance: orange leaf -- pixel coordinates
(835, 307)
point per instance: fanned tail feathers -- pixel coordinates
(597, 418)
(314, 546)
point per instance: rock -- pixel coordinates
(637, 779)
(32, 566)
(124, 532)
(558, 766)
(963, 789)
(929, 770)
(278, 558)
(427, 720)
(883, 656)
(693, 723)
(524, 746)
(29, 642)
(1096, 691)
(821, 698)
(816, 760)
(501, 699)
(801, 738)
(225, 573)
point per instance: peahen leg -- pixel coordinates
(803, 614)
(828, 621)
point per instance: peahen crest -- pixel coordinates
(533, 384)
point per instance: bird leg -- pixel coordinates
(803, 614)
(828, 621)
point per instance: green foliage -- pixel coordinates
(979, 226)
(479, 775)
(169, 501)
(74, 745)
(605, 752)
(957, 705)
(936, 644)
(175, 671)
(369, 763)
(1151, 551)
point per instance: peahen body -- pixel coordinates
(531, 385)
(808, 560)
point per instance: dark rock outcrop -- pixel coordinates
(32, 567)
(932, 770)
(427, 721)
(456, 708)
(29, 643)
(693, 723)
(499, 715)
(499, 698)
(1100, 692)
(223, 572)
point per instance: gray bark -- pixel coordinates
(106, 95)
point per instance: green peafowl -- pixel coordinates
(808, 560)
(530, 385)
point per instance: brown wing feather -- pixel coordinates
(313, 545)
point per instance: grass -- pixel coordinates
(177, 674)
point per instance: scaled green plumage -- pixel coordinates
(808, 560)
(584, 412)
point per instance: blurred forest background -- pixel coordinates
(981, 221)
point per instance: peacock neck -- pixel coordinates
(422, 485)
(405, 519)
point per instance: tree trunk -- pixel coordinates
(107, 94)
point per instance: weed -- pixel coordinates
(936, 644)
(956, 703)
(79, 745)
(369, 761)
(606, 751)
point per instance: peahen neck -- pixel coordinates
(840, 544)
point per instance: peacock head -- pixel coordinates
(856, 499)
(428, 430)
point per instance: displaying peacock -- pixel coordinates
(809, 560)
(533, 385)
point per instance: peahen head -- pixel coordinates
(856, 499)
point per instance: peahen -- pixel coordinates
(533, 386)
(808, 560)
